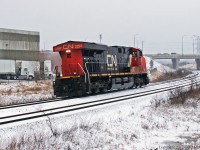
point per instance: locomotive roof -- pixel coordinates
(95, 46)
(83, 45)
(120, 46)
(86, 45)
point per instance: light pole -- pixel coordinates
(197, 38)
(198, 44)
(182, 44)
(100, 37)
(142, 45)
(134, 38)
(193, 45)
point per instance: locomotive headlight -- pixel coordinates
(74, 72)
(68, 51)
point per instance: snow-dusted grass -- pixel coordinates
(25, 91)
(155, 69)
(138, 125)
(171, 75)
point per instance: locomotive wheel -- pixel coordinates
(102, 90)
(136, 85)
(94, 91)
(141, 85)
(109, 86)
(79, 93)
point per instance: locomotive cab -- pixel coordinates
(135, 57)
(137, 62)
(71, 55)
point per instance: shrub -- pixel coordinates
(173, 75)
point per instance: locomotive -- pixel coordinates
(96, 68)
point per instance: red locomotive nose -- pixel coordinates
(72, 60)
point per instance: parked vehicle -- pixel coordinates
(11, 69)
(27, 69)
(7, 69)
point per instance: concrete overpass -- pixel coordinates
(176, 57)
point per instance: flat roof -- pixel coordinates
(19, 31)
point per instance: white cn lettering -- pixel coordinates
(68, 46)
(111, 60)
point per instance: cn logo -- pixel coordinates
(68, 46)
(73, 46)
(111, 60)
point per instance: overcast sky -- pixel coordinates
(159, 23)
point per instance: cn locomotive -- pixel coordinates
(96, 68)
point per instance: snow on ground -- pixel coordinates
(24, 91)
(156, 65)
(191, 66)
(156, 69)
(61, 103)
(135, 124)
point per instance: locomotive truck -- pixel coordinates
(92, 68)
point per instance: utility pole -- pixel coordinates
(182, 44)
(193, 45)
(137, 43)
(198, 45)
(100, 37)
(142, 45)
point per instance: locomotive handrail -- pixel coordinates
(114, 66)
(87, 72)
(80, 67)
(83, 71)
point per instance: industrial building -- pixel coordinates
(21, 45)
(11, 39)
(20, 49)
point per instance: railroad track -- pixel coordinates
(66, 98)
(91, 104)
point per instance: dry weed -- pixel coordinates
(171, 75)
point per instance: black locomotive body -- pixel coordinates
(93, 68)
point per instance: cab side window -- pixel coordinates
(140, 53)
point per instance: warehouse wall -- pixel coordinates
(11, 39)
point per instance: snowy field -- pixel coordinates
(14, 92)
(134, 124)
